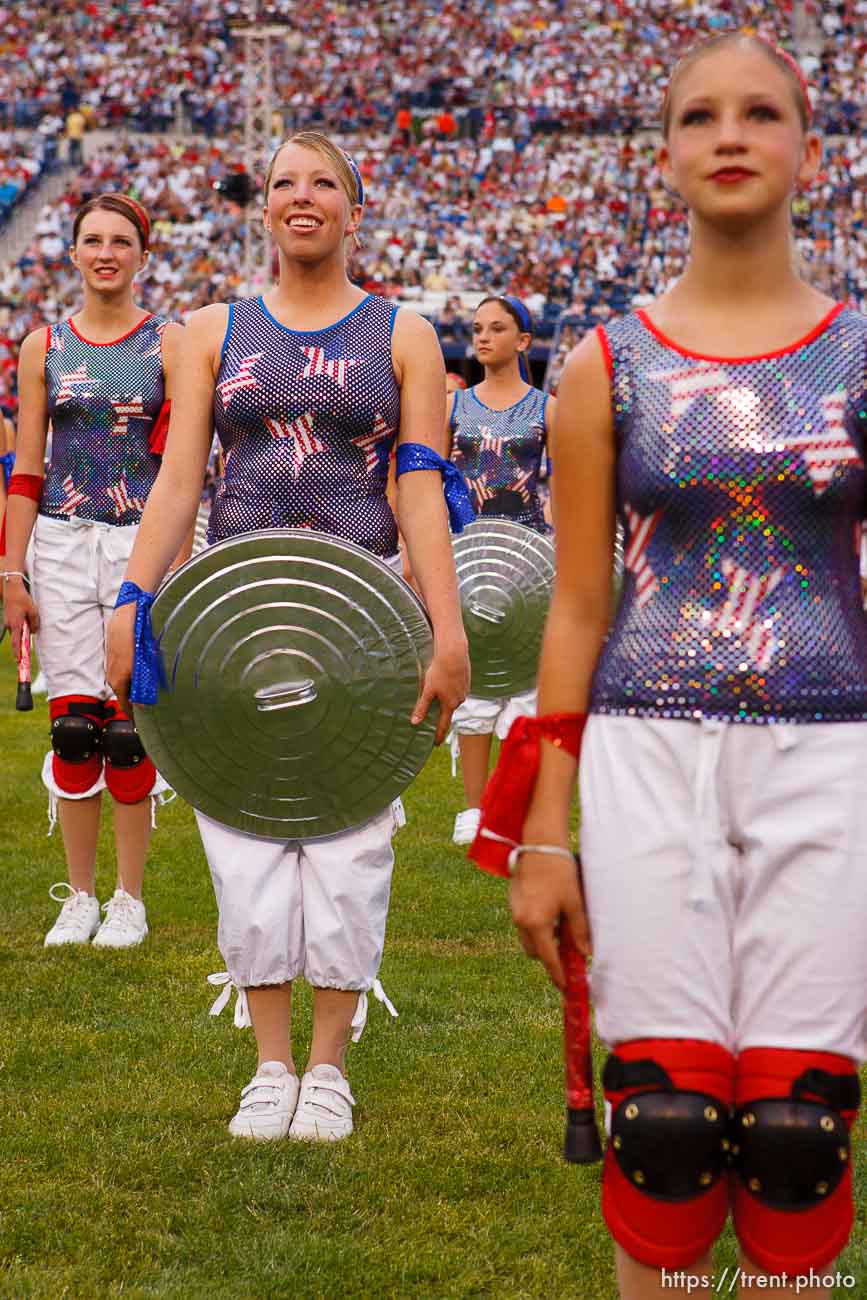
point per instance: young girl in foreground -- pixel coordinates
(724, 766)
(308, 387)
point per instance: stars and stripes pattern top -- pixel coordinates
(307, 421)
(103, 399)
(740, 486)
(500, 454)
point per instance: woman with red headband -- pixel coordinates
(102, 379)
(724, 763)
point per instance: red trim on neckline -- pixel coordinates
(761, 356)
(108, 342)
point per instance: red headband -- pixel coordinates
(137, 208)
(791, 63)
(793, 66)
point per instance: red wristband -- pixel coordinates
(20, 485)
(26, 485)
(507, 795)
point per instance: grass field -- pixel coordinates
(118, 1177)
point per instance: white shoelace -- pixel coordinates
(75, 902)
(119, 911)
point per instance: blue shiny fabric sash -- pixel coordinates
(148, 673)
(415, 455)
(7, 464)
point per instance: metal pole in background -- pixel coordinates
(258, 111)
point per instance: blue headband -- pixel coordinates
(353, 166)
(521, 312)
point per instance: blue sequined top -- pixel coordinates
(500, 454)
(103, 399)
(741, 491)
(307, 421)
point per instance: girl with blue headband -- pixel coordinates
(499, 433)
(308, 386)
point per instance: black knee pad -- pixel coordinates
(664, 1190)
(790, 1152)
(76, 722)
(74, 740)
(121, 746)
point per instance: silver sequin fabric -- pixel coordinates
(741, 493)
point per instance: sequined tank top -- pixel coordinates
(307, 420)
(103, 399)
(741, 491)
(500, 453)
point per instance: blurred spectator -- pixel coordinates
(76, 125)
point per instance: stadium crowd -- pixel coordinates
(486, 164)
(596, 66)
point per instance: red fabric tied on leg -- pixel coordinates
(507, 795)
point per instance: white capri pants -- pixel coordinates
(476, 717)
(315, 908)
(78, 567)
(725, 872)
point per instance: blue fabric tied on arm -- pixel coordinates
(415, 455)
(148, 673)
(7, 463)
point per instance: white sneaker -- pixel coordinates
(267, 1103)
(466, 825)
(79, 916)
(125, 924)
(324, 1112)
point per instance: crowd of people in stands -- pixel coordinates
(597, 66)
(580, 225)
(506, 159)
(22, 161)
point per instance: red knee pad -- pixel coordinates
(76, 722)
(129, 773)
(664, 1184)
(792, 1189)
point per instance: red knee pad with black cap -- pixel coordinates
(792, 1189)
(76, 737)
(129, 773)
(665, 1190)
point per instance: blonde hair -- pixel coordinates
(772, 53)
(326, 149)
